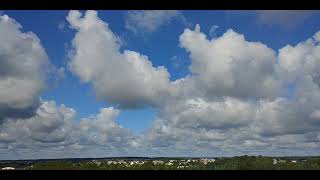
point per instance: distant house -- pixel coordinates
(206, 161)
(157, 162)
(182, 163)
(8, 168)
(122, 162)
(136, 162)
(96, 162)
(294, 161)
(169, 164)
(112, 162)
(275, 161)
(282, 161)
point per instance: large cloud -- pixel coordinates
(231, 66)
(124, 78)
(51, 123)
(234, 99)
(234, 126)
(23, 68)
(54, 127)
(34, 128)
(231, 124)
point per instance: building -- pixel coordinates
(112, 162)
(275, 161)
(96, 162)
(206, 161)
(169, 164)
(8, 168)
(157, 162)
(136, 162)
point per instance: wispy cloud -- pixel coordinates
(283, 18)
(148, 21)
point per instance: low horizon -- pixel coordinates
(159, 157)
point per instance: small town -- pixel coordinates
(221, 163)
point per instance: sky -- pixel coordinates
(159, 83)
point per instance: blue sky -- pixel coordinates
(81, 97)
(226, 98)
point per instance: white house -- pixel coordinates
(206, 161)
(156, 162)
(169, 164)
(274, 161)
(8, 168)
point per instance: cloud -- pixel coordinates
(233, 102)
(212, 31)
(31, 127)
(23, 69)
(227, 128)
(148, 21)
(283, 18)
(231, 66)
(228, 122)
(54, 127)
(123, 78)
(103, 129)
(301, 60)
(62, 26)
(51, 123)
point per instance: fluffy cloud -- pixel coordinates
(23, 67)
(148, 21)
(32, 128)
(231, 66)
(103, 128)
(50, 124)
(248, 116)
(124, 78)
(198, 113)
(54, 127)
(234, 126)
(301, 60)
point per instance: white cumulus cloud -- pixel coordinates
(124, 78)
